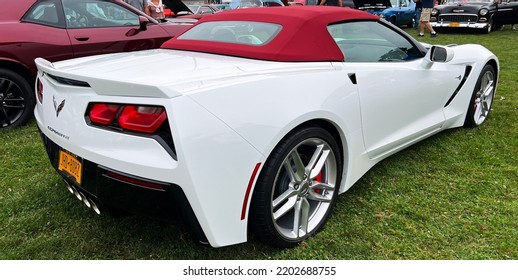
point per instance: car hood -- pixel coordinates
(168, 73)
(372, 4)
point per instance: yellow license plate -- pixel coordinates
(454, 24)
(70, 164)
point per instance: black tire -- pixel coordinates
(16, 99)
(308, 195)
(482, 98)
(411, 24)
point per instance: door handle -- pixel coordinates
(82, 38)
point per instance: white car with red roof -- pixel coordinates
(259, 120)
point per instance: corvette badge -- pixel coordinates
(57, 107)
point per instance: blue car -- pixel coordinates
(398, 12)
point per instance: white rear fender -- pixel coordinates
(220, 164)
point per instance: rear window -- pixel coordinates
(240, 32)
(45, 13)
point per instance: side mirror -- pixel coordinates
(438, 54)
(143, 22)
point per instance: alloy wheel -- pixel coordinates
(12, 102)
(483, 98)
(304, 189)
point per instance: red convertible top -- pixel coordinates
(304, 36)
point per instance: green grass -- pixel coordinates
(453, 196)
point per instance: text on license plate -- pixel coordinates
(71, 165)
(454, 24)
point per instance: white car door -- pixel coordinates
(402, 102)
(401, 97)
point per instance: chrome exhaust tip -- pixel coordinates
(95, 207)
(89, 203)
(85, 200)
(77, 194)
(70, 188)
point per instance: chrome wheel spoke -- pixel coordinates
(479, 110)
(484, 108)
(486, 96)
(322, 186)
(318, 197)
(290, 203)
(319, 165)
(285, 195)
(295, 167)
(322, 194)
(291, 173)
(314, 158)
(301, 217)
(488, 89)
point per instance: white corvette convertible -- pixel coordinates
(254, 119)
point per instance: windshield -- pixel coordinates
(237, 4)
(194, 8)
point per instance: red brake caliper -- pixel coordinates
(318, 179)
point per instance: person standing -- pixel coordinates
(425, 18)
(418, 9)
(331, 3)
(139, 4)
(155, 9)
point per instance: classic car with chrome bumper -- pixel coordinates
(474, 14)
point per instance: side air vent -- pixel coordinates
(466, 75)
(69, 82)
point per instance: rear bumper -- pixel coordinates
(112, 189)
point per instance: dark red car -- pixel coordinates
(63, 29)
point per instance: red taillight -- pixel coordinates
(39, 89)
(103, 114)
(145, 119)
(135, 181)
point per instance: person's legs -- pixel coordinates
(422, 20)
(421, 28)
(430, 28)
(425, 22)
